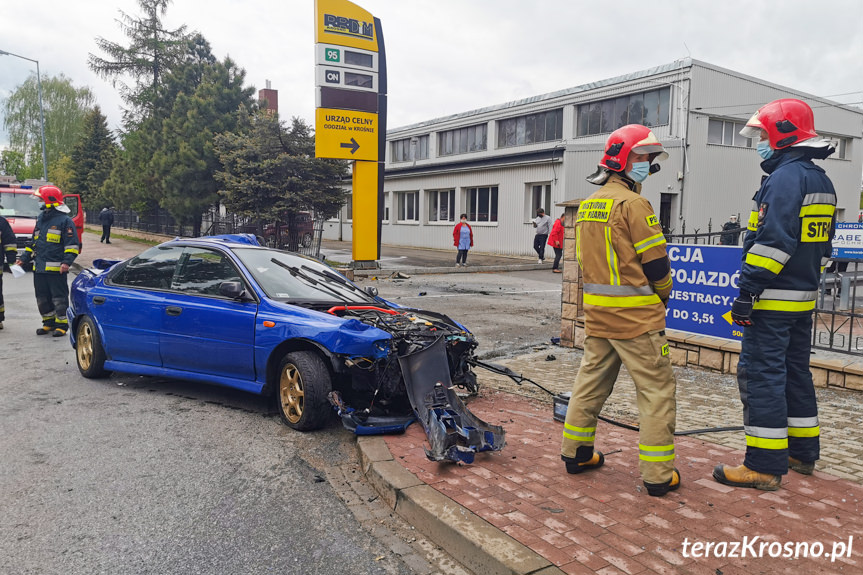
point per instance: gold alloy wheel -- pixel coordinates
(85, 346)
(291, 393)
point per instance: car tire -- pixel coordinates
(302, 385)
(307, 240)
(89, 353)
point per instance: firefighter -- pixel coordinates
(53, 249)
(786, 246)
(627, 281)
(9, 247)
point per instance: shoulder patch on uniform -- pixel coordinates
(762, 213)
(652, 220)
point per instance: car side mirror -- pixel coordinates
(233, 290)
(372, 291)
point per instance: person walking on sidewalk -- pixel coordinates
(53, 249)
(9, 246)
(555, 240)
(620, 248)
(106, 218)
(462, 239)
(787, 243)
(542, 223)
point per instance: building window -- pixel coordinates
(349, 209)
(401, 149)
(463, 140)
(387, 207)
(530, 129)
(408, 206)
(441, 205)
(842, 145)
(646, 108)
(727, 133)
(539, 197)
(482, 204)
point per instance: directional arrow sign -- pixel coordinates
(346, 134)
(352, 145)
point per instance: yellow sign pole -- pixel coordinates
(350, 120)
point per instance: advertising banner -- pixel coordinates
(705, 286)
(848, 241)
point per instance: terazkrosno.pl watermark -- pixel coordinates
(755, 547)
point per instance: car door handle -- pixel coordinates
(98, 300)
(173, 310)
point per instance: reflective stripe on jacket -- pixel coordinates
(617, 232)
(55, 242)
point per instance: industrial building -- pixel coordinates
(498, 164)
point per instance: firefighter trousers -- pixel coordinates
(52, 299)
(648, 361)
(780, 412)
(2, 304)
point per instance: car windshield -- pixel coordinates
(290, 277)
(21, 205)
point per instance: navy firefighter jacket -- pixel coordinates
(789, 235)
(55, 242)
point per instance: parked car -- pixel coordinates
(228, 311)
(290, 237)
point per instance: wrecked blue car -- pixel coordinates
(228, 311)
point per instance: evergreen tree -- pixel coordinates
(153, 51)
(91, 160)
(270, 172)
(206, 95)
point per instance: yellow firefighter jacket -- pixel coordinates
(616, 233)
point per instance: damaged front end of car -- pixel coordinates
(415, 375)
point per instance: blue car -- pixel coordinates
(228, 311)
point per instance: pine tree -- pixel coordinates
(92, 159)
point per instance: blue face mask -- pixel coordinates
(639, 171)
(764, 149)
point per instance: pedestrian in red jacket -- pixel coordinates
(462, 238)
(555, 240)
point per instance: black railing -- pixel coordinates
(838, 320)
(303, 238)
(728, 237)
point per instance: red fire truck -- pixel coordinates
(21, 208)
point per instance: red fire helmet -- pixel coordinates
(632, 138)
(787, 122)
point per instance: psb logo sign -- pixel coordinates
(332, 76)
(332, 55)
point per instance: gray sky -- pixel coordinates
(449, 56)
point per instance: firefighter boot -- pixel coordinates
(59, 332)
(586, 458)
(660, 489)
(803, 467)
(45, 329)
(742, 476)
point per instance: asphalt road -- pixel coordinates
(139, 475)
(509, 312)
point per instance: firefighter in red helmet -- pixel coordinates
(786, 247)
(54, 247)
(620, 249)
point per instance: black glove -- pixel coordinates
(741, 310)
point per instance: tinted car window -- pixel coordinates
(202, 271)
(152, 269)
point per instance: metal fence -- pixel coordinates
(305, 240)
(838, 320)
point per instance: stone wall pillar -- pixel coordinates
(571, 306)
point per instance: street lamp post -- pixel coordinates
(41, 109)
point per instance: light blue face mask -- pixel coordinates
(764, 149)
(639, 171)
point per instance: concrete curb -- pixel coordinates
(471, 540)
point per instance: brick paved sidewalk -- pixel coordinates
(603, 522)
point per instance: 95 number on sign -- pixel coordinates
(332, 55)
